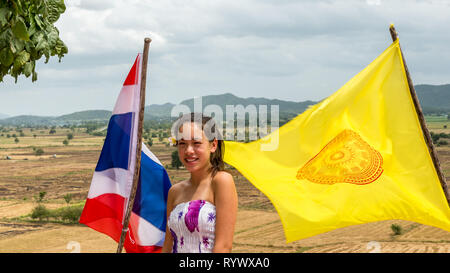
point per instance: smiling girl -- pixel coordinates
(201, 211)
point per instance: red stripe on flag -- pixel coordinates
(132, 75)
(104, 214)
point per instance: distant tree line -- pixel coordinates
(439, 139)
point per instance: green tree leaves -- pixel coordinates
(19, 29)
(5, 14)
(6, 56)
(27, 33)
(54, 9)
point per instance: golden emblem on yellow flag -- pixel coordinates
(345, 159)
(358, 156)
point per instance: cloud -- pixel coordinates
(286, 49)
(373, 2)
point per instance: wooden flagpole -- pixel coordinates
(138, 146)
(425, 131)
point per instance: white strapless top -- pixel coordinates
(192, 225)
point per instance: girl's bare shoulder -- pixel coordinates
(179, 186)
(225, 194)
(222, 178)
(176, 190)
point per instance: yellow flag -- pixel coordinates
(358, 156)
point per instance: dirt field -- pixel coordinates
(68, 169)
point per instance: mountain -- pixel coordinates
(2, 116)
(229, 99)
(27, 120)
(158, 110)
(86, 115)
(74, 118)
(434, 99)
(289, 108)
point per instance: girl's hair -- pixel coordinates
(209, 127)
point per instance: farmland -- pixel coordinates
(66, 169)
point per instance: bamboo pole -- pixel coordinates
(138, 146)
(421, 117)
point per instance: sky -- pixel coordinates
(293, 50)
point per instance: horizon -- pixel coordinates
(9, 116)
(174, 104)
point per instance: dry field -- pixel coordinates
(68, 169)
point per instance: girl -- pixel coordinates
(201, 211)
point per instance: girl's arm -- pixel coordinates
(226, 202)
(168, 241)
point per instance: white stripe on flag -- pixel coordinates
(150, 154)
(147, 234)
(128, 96)
(114, 180)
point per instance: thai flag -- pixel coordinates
(113, 177)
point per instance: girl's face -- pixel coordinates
(194, 149)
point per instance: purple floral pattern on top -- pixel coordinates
(175, 241)
(211, 217)
(192, 225)
(205, 241)
(191, 217)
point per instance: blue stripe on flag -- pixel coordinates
(116, 149)
(151, 194)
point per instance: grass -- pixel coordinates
(303, 249)
(275, 248)
(256, 227)
(66, 214)
(258, 205)
(397, 229)
(437, 122)
(85, 171)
